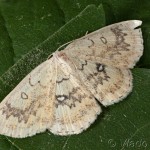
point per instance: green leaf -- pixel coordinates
(102, 18)
(5, 144)
(6, 51)
(72, 8)
(121, 126)
(30, 23)
(145, 61)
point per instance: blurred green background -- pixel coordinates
(30, 30)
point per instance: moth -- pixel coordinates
(62, 94)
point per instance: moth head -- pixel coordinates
(62, 55)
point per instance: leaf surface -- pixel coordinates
(122, 126)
